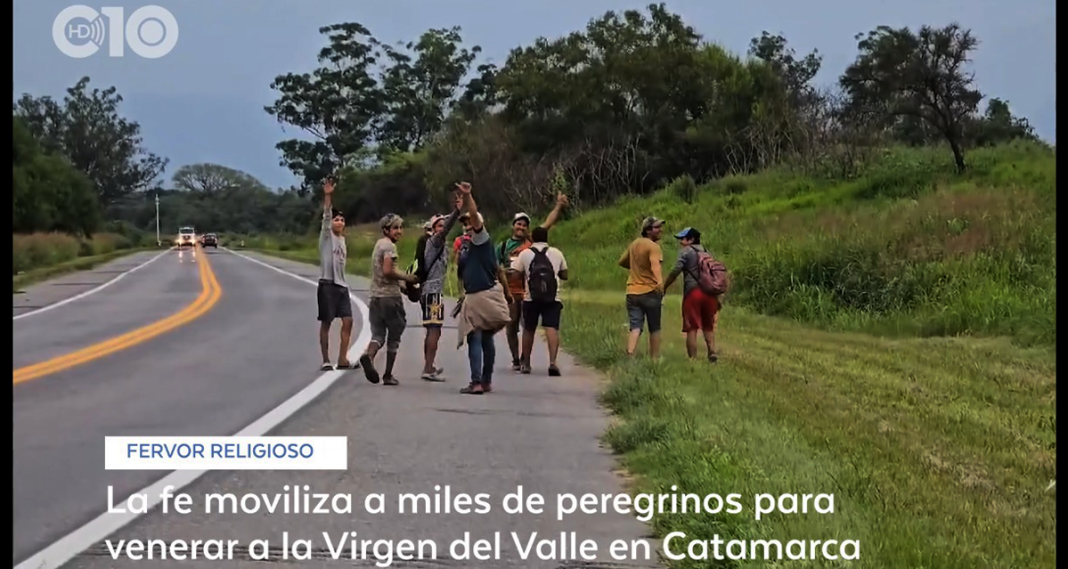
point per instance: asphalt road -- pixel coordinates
(253, 350)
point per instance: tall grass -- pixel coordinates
(42, 250)
(938, 449)
(909, 249)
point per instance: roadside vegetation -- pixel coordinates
(894, 350)
(889, 335)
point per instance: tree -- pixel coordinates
(999, 125)
(338, 104)
(420, 88)
(49, 194)
(796, 74)
(89, 131)
(921, 75)
(213, 180)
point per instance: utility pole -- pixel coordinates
(159, 242)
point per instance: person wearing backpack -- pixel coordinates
(431, 272)
(543, 269)
(704, 283)
(508, 251)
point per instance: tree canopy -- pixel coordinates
(630, 102)
(626, 104)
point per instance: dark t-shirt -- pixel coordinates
(478, 263)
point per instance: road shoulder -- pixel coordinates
(534, 431)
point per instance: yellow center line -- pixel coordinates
(210, 294)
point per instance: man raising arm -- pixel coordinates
(332, 295)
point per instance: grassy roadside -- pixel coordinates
(889, 341)
(34, 276)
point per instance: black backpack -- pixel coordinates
(421, 270)
(541, 277)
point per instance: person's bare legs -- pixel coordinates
(324, 340)
(512, 331)
(691, 343)
(654, 345)
(430, 348)
(632, 341)
(528, 348)
(346, 338)
(710, 339)
(391, 358)
(552, 340)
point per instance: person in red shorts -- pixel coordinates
(700, 311)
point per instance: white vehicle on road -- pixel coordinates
(187, 237)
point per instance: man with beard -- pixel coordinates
(645, 286)
(507, 253)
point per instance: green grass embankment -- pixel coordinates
(41, 256)
(889, 340)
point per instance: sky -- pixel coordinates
(203, 101)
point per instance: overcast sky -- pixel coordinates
(203, 102)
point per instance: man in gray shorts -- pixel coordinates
(387, 315)
(333, 292)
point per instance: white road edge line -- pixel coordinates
(98, 529)
(93, 290)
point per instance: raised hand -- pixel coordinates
(561, 200)
(328, 186)
(464, 187)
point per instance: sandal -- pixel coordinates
(473, 389)
(327, 366)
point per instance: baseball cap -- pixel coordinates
(651, 222)
(521, 215)
(688, 233)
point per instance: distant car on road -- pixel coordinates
(187, 237)
(210, 240)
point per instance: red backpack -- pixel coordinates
(711, 275)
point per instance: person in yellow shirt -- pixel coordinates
(645, 286)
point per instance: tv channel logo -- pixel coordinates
(80, 31)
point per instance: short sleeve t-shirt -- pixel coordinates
(645, 259)
(521, 264)
(381, 285)
(687, 264)
(478, 263)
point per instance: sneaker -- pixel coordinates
(369, 370)
(516, 366)
(554, 371)
(524, 368)
(433, 376)
(486, 388)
